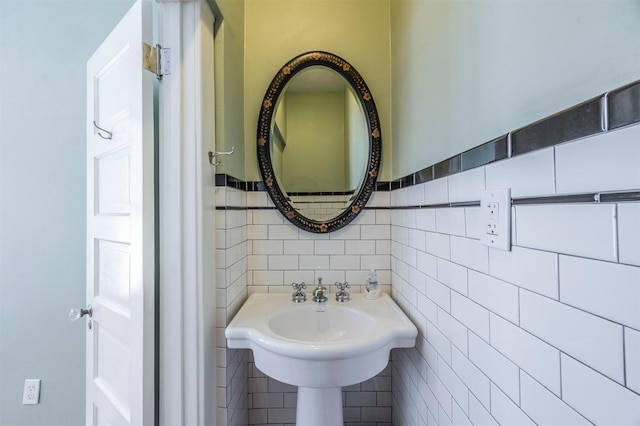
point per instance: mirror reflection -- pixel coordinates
(319, 143)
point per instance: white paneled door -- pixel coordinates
(120, 227)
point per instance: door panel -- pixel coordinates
(112, 266)
(120, 227)
(112, 194)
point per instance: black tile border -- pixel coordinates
(556, 199)
(610, 111)
(424, 175)
(623, 106)
(592, 197)
(307, 194)
(588, 198)
(383, 186)
(448, 167)
(574, 123)
(223, 179)
(613, 197)
(495, 150)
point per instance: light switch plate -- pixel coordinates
(495, 207)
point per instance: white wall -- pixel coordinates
(44, 46)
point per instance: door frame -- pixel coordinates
(187, 305)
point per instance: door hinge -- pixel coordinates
(157, 60)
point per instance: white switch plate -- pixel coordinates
(495, 207)
(31, 394)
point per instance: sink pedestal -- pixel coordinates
(319, 407)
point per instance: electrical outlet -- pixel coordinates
(31, 394)
(495, 208)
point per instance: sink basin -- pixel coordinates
(320, 347)
(319, 323)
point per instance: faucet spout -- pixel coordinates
(320, 293)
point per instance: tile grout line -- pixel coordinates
(624, 358)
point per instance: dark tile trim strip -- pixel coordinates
(408, 180)
(295, 194)
(556, 199)
(486, 153)
(604, 197)
(595, 197)
(624, 106)
(447, 167)
(573, 123)
(613, 110)
(619, 196)
(424, 175)
(237, 208)
(438, 206)
(223, 179)
(466, 204)
(383, 186)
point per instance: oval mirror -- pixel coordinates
(319, 142)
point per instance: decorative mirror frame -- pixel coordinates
(269, 102)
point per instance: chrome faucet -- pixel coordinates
(298, 295)
(320, 292)
(342, 295)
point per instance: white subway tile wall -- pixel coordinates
(274, 403)
(435, 192)
(629, 233)
(583, 286)
(591, 339)
(527, 175)
(544, 407)
(632, 358)
(231, 287)
(554, 228)
(600, 400)
(467, 185)
(612, 156)
(547, 333)
(259, 251)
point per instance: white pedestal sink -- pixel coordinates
(320, 347)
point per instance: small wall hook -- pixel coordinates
(213, 154)
(100, 129)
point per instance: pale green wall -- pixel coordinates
(229, 84)
(357, 140)
(278, 30)
(314, 156)
(44, 47)
(465, 72)
(279, 140)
